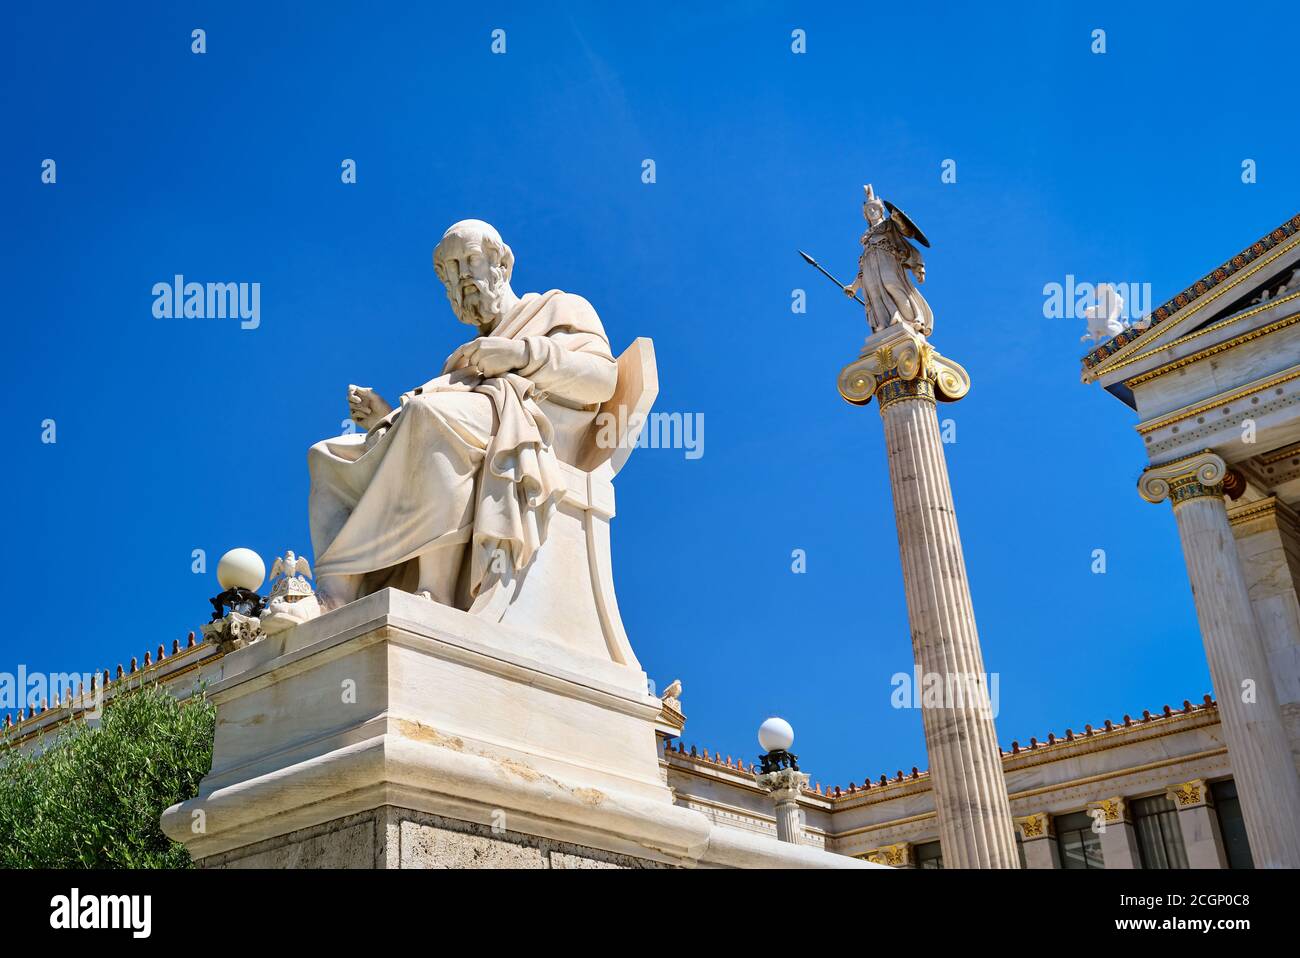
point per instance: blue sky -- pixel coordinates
(176, 435)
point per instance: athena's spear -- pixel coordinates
(817, 266)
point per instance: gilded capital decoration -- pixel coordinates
(898, 364)
(1189, 794)
(896, 856)
(1194, 476)
(1114, 810)
(1035, 826)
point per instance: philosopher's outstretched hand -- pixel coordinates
(366, 407)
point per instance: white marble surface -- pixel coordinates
(394, 700)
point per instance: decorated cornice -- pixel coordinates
(898, 364)
(1200, 474)
(1267, 508)
(1054, 747)
(1209, 351)
(158, 665)
(1196, 291)
(1222, 400)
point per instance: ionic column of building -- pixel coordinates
(1268, 546)
(1202, 837)
(1267, 783)
(784, 787)
(903, 371)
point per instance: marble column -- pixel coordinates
(907, 376)
(1268, 544)
(784, 786)
(1200, 826)
(1267, 783)
(1119, 847)
(1039, 841)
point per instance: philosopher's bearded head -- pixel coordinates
(475, 264)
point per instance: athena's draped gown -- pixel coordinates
(882, 277)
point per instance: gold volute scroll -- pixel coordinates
(951, 380)
(858, 380)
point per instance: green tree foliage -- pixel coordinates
(91, 797)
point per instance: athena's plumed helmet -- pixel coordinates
(872, 200)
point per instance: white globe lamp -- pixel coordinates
(241, 569)
(775, 735)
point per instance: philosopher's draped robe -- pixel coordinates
(464, 460)
(882, 276)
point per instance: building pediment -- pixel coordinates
(1243, 297)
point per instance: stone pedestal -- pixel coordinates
(1199, 824)
(784, 786)
(907, 376)
(1258, 749)
(395, 732)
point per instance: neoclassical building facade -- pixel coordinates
(1213, 376)
(1151, 790)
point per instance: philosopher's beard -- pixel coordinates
(482, 306)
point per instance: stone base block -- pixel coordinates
(404, 838)
(396, 732)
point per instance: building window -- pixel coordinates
(1160, 840)
(928, 855)
(1079, 845)
(1228, 808)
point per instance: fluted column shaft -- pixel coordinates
(788, 826)
(903, 372)
(1267, 784)
(965, 761)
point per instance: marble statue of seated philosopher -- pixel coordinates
(461, 478)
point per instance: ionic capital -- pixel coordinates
(1189, 794)
(897, 364)
(1194, 476)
